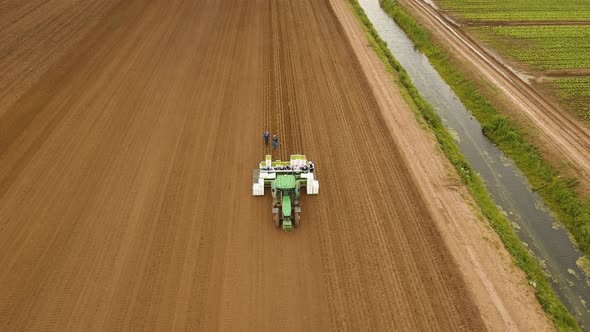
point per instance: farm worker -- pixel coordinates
(266, 136)
(311, 166)
(275, 141)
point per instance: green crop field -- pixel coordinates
(540, 34)
(576, 93)
(522, 10)
(543, 47)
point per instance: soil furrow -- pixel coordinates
(125, 191)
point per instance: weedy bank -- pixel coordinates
(544, 293)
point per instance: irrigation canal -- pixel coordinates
(509, 189)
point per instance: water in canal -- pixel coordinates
(509, 189)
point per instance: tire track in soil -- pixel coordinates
(290, 106)
(277, 100)
(268, 65)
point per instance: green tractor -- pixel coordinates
(285, 180)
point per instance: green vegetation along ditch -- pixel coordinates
(562, 318)
(557, 192)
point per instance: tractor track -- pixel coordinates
(267, 123)
(125, 179)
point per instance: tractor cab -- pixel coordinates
(285, 179)
(284, 194)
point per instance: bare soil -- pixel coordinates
(127, 142)
(565, 73)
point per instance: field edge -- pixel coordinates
(562, 319)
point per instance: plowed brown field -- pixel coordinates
(128, 134)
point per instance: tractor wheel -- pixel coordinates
(277, 220)
(296, 219)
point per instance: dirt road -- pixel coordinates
(126, 151)
(559, 129)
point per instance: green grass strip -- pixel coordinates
(557, 192)
(562, 319)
